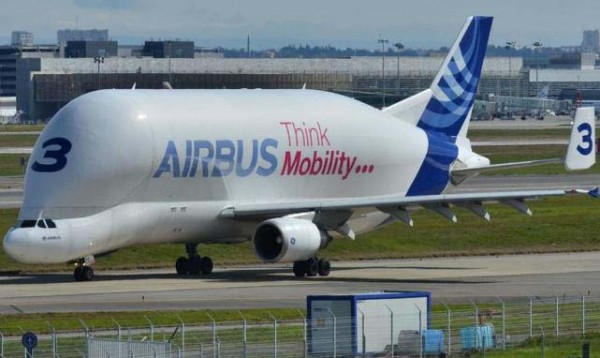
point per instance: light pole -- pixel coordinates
(399, 47)
(383, 42)
(510, 45)
(98, 60)
(536, 46)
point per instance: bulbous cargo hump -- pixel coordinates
(92, 154)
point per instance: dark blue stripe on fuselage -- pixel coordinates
(434, 174)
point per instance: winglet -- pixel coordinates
(581, 153)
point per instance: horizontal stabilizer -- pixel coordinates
(459, 175)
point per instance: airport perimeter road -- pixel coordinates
(458, 279)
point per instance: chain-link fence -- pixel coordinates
(454, 330)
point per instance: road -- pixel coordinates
(457, 279)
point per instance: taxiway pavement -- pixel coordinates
(454, 279)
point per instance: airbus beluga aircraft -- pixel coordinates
(287, 169)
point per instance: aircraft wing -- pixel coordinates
(400, 206)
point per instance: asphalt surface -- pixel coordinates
(461, 279)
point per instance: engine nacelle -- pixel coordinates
(288, 240)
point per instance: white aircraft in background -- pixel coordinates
(286, 169)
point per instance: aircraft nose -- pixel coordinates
(16, 244)
(36, 245)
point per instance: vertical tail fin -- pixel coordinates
(455, 84)
(581, 153)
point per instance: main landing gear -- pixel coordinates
(83, 272)
(193, 264)
(312, 267)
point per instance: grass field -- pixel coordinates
(518, 153)
(22, 128)
(10, 164)
(229, 323)
(20, 140)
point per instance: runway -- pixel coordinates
(459, 279)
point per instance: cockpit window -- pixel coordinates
(28, 223)
(50, 223)
(41, 224)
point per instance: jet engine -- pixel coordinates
(288, 240)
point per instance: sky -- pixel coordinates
(276, 23)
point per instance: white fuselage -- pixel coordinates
(150, 166)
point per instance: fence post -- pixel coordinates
(1, 345)
(53, 338)
(420, 331)
(244, 333)
(556, 314)
(583, 315)
(530, 317)
(391, 329)
(305, 335)
(151, 328)
(274, 335)
(118, 329)
(364, 337)
(334, 332)
(503, 323)
(214, 330)
(86, 329)
(543, 342)
(182, 335)
(476, 313)
(448, 327)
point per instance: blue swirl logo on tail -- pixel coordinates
(455, 86)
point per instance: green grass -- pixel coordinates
(18, 140)
(22, 128)
(38, 322)
(486, 134)
(10, 164)
(15, 324)
(518, 153)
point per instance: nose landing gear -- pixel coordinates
(84, 272)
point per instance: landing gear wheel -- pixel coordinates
(206, 265)
(324, 267)
(195, 265)
(299, 268)
(87, 273)
(83, 273)
(312, 267)
(182, 266)
(77, 273)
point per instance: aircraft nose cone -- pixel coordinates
(15, 244)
